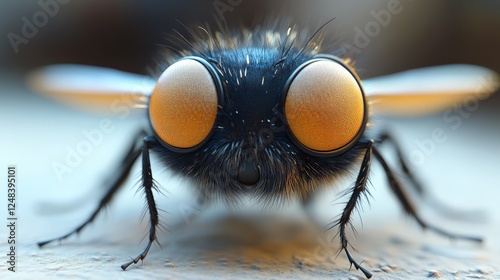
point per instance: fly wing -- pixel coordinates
(92, 87)
(429, 90)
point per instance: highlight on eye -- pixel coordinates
(324, 106)
(183, 105)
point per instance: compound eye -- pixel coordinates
(183, 105)
(324, 106)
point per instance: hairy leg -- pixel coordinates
(123, 172)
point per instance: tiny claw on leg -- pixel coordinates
(126, 265)
(43, 243)
(141, 257)
(148, 186)
(358, 189)
(365, 271)
(59, 239)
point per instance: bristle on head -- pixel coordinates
(204, 41)
(254, 66)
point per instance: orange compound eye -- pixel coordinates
(325, 106)
(183, 105)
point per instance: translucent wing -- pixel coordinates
(413, 92)
(429, 90)
(90, 86)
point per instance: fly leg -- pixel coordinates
(408, 205)
(148, 185)
(123, 172)
(387, 138)
(420, 190)
(356, 192)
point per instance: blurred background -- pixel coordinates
(128, 35)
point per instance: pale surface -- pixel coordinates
(463, 171)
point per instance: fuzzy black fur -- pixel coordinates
(253, 66)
